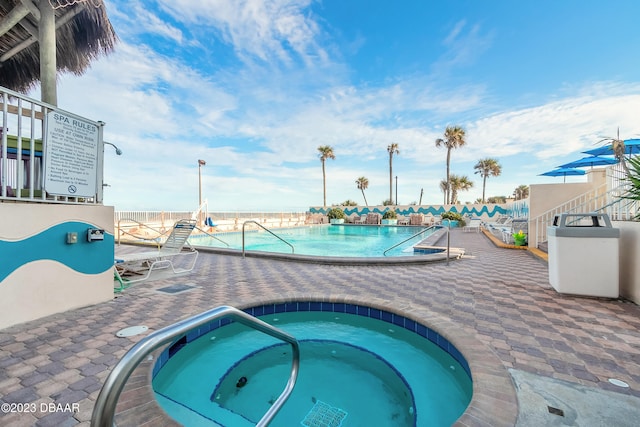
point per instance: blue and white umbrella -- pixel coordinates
(590, 161)
(564, 172)
(631, 146)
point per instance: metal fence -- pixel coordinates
(152, 225)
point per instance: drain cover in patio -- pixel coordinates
(177, 288)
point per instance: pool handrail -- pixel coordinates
(212, 236)
(265, 229)
(104, 409)
(416, 235)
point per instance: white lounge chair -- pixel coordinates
(362, 219)
(143, 263)
(373, 218)
(473, 224)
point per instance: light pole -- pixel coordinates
(396, 190)
(118, 151)
(200, 164)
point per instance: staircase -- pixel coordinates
(597, 200)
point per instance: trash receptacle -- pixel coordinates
(583, 255)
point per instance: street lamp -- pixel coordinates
(200, 164)
(396, 190)
(118, 151)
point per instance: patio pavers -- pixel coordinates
(501, 296)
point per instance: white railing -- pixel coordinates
(223, 221)
(67, 168)
(596, 200)
(587, 202)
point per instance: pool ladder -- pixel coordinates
(265, 229)
(424, 231)
(104, 409)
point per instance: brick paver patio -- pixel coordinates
(499, 296)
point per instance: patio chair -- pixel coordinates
(373, 218)
(173, 249)
(416, 219)
(473, 224)
(431, 220)
(362, 219)
(403, 220)
(500, 222)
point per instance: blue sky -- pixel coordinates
(254, 87)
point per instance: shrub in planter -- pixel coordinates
(390, 214)
(454, 216)
(336, 213)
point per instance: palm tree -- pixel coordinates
(618, 147)
(326, 152)
(454, 137)
(443, 188)
(486, 168)
(363, 184)
(393, 148)
(521, 192)
(458, 183)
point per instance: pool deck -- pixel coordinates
(500, 297)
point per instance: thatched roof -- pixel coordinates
(83, 32)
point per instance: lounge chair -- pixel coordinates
(473, 224)
(403, 220)
(431, 220)
(143, 263)
(373, 218)
(501, 222)
(416, 219)
(362, 219)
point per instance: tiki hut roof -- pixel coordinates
(83, 32)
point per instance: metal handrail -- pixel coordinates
(265, 229)
(212, 236)
(103, 411)
(415, 235)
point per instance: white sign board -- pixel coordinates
(71, 160)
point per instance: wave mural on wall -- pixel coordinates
(424, 210)
(51, 244)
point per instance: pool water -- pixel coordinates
(354, 371)
(324, 240)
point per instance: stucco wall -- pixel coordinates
(484, 211)
(40, 273)
(629, 259)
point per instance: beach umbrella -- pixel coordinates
(590, 161)
(564, 172)
(631, 146)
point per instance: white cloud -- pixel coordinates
(280, 30)
(259, 130)
(138, 19)
(465, 44)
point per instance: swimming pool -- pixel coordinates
(359, 365)
(325, 240)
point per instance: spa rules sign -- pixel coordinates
(71, 160)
